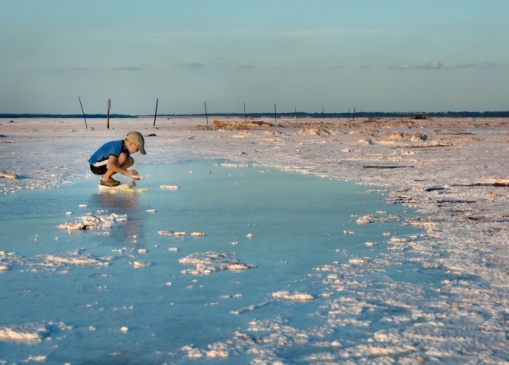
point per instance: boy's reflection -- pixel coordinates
(121, 203)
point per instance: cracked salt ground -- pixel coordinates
(134, 288)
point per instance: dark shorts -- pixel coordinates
(98, 170)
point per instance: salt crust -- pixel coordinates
(53, 262)
(180, 233)
(458, 320)
(96, 222)
(75, 258)
(31, 333)
(293, 296)
(170, 187)
(207, 263)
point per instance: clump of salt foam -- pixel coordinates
(31, 333)
(23, 334)
(207, 263)
(138, 264)
(91, 221)
(170, 187)
(73, 258)
(234, 165)
(52, 262)
(369, 218)
(293, 296)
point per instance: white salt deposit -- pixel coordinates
(459, 319)
(36, 358)
(138, 264)
(370, 218)
(292, 296)
(356, 261)
(97, 222)
(170, 187)
(75, 258)
(22, 335)
(207, 263)
(165, 233)
(233, 165)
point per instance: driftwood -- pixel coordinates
(8, 176)
(456, 201)
(495, 182)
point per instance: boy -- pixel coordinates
(115, 157)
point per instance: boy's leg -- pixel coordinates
(122, 161)
(125, 163)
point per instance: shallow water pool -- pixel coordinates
(136, 290)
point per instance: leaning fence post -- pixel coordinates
(155, 114)
(86, 127)
(108, 115)
(206, 114)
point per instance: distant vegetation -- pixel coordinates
(91, 116)
(502, 114)
(463, 114)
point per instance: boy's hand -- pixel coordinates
(133, 174)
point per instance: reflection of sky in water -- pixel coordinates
(297, 224)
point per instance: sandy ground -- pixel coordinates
(443, 168)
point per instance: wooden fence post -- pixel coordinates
(155, 114)
(108, 115)
(86, 127)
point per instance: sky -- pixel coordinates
(314, 55)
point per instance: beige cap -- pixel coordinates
(137, 139)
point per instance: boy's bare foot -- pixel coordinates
(109, 182)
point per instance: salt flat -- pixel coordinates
(445, 168)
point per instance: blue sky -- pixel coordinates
(391, 55)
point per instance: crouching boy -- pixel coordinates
(115, 157)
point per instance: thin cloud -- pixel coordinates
(127, 68)
(73, 69)
(422, 66)
(435, 65)
(247, 67)
(191, 65)
(481, 66)
(318, 32)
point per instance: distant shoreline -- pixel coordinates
(461, 114)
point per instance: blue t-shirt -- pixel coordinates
(114, 148)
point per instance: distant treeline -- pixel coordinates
(91, 116)
(463, 114)
(501, 114)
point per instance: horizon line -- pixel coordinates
(465, 113)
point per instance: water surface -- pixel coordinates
(284, 224)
